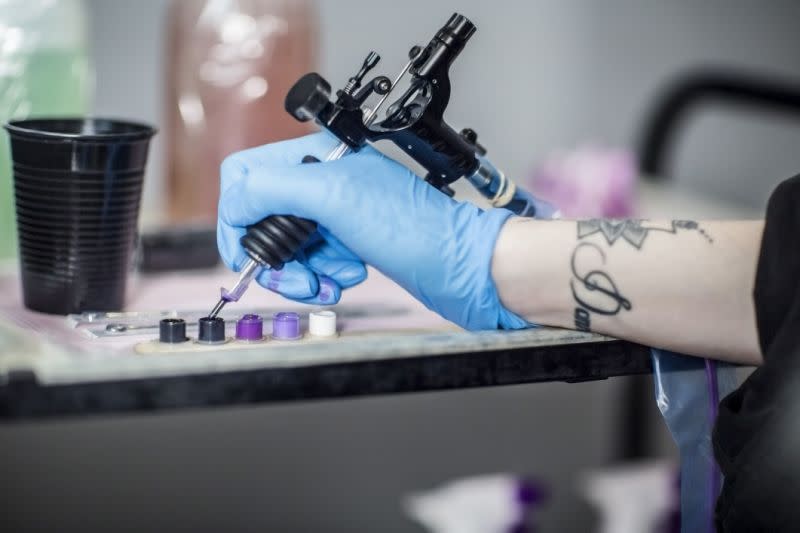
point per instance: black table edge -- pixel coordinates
(23, 397)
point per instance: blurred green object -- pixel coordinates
(44, 71)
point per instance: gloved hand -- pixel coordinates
(371, 210)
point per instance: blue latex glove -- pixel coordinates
(370, 209)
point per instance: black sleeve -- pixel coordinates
(757, 434)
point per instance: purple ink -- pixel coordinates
(326, 288)
(226, 295)
(286, 326)
(250, 328)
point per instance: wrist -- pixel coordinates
(529, 267)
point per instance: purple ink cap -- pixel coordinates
(286, 326)
(250, 328)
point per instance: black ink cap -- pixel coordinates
(211, 330)
(172, 330)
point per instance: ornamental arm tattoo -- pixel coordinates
(593, 288)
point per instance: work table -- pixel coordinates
(396, 346)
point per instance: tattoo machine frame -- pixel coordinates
(414, 122)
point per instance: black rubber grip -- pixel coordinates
(275, 240)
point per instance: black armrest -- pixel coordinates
(690, 92)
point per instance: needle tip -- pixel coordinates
(217, 308)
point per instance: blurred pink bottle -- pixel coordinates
(229, 66)
(588, 182)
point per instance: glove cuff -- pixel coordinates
(489, 310)
(510, 320)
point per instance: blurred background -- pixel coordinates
(540, 80)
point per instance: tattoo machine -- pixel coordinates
(414, 122)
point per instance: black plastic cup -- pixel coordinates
(77, 187)
(88, 197)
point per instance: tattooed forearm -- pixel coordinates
(593, 289)
(634, 231)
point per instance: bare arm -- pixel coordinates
(681, 285)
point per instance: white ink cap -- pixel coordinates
(322, 323)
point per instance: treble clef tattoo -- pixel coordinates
(594, 290)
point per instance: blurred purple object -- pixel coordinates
(286, 326)
(530, 493)
(588, 182)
